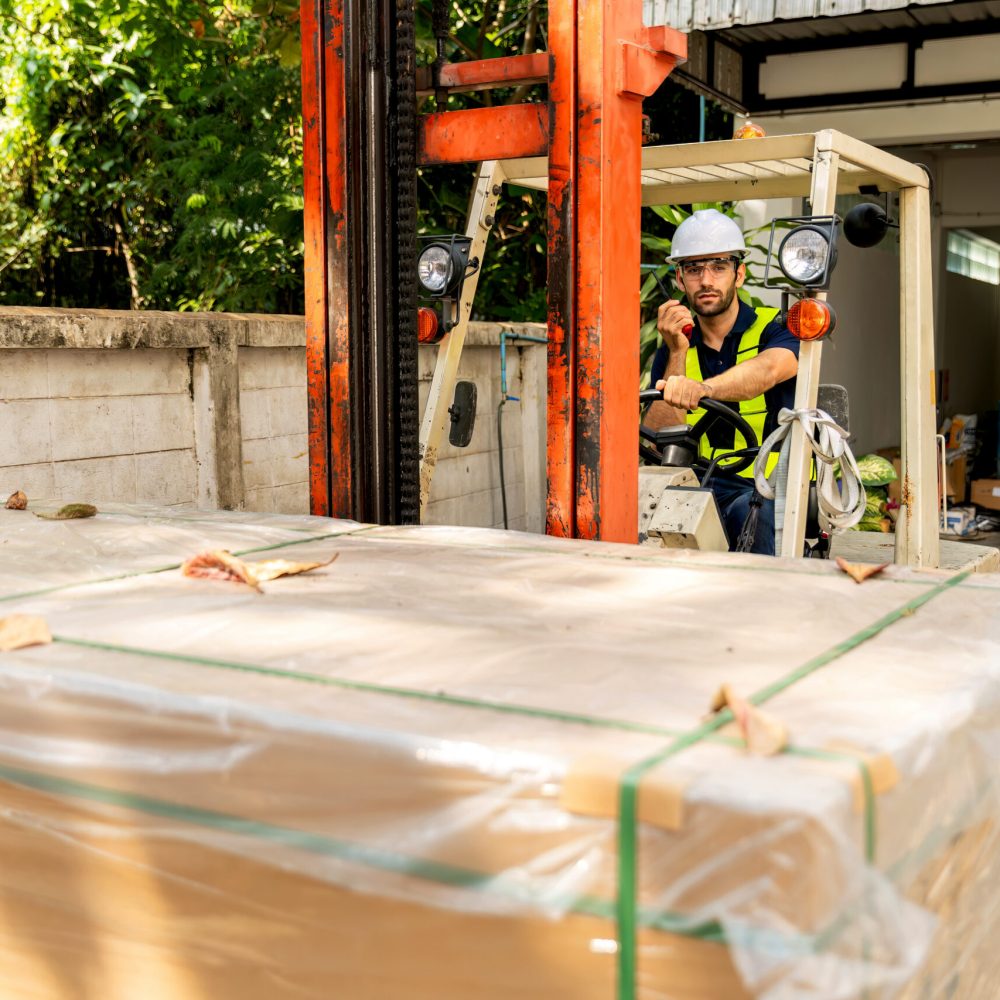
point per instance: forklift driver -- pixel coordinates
(736, 354)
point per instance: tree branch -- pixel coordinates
(133, 273)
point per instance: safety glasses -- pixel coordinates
(716, 266)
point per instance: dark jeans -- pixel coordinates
(733, 493)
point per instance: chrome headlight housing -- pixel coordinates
(803, 254)
(442, 264)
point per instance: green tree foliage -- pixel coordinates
(151, 153)
(512, 282)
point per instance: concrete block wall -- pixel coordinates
(209, 410)
(273, 421)
(466, 484)
(98, 424)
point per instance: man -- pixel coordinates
(736, 354)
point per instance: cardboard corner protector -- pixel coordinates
(881, 768)
(591, 788)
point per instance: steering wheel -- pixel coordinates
(679, 445)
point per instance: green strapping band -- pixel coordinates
(384, 860)
(628, 792)
(439, 872)
(166, 569)
(505, 708)
(480, 704)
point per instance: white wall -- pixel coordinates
(863, 354)
(466, 484)
(966, 195)
(273, 424)
(970, 345)
(100, 425)
(210, 410)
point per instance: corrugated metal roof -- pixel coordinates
(780, 19)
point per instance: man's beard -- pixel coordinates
(721, 305)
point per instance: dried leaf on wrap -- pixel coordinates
(271, 569)
(221, 565)
(17, 501)
(859, 572)
(18, 631)
(69, 512)
(763, 733)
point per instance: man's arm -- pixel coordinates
(741, 382)
(671, 319)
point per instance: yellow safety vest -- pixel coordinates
(753, 411)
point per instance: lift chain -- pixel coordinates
(406, 230)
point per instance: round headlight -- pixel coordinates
(434, 269)
(803, 254)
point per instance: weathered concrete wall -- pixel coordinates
(273, 421)
(209, 410)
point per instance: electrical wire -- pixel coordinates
(503, 487)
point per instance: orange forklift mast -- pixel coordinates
(359, 95)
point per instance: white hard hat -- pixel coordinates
(704, 233)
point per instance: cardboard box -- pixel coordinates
(956, 470)
(986, 493)
(958, 521)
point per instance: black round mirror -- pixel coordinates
(866, 224)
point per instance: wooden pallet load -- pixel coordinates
(457, 763)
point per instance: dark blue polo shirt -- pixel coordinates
(775, 334)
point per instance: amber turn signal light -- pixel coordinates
(428, 328)
(811, 319)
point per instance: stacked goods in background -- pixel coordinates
(434, 767)
(879, 476)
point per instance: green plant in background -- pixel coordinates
(513, 276)
(151, 153)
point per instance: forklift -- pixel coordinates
(372, 457)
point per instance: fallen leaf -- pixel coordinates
(18, 631)
(271, 569)
(763, 733)
(198, 28)
(17, 501)
(859, 572)
(222, 565)
(720, 699)
(69, 512)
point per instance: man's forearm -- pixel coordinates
(753, 377)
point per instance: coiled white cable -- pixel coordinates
(840, 506)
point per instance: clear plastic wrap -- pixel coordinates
(400, 774)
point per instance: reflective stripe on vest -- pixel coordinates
(753, 411)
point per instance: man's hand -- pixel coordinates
(671, 318)
(682, 392)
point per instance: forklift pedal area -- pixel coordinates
(676, 513)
